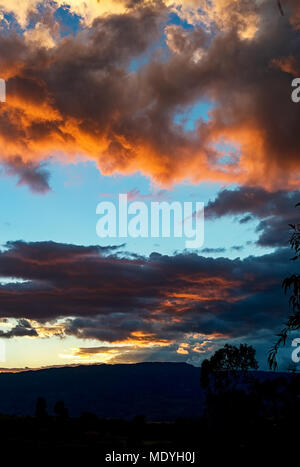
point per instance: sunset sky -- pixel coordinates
(164, 100)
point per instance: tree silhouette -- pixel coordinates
(224, 378)
(218, 373)
(233, 358)
(290, 284)
(40, 408)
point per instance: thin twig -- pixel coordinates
(280, 7)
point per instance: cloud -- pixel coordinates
(41, 35)
(22, 329)
(87, 10)
(159, 195)
(246, 219)
(237, 247)
(216, 12)
(213, 250)
(29, 173)
(221, 14)
(127, 353)
(275, 211)
(80, 96)
(156, 304)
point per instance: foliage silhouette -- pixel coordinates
(280, 7)
(220, 372)
(290, 284)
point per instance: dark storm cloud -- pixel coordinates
(22, 329)
(275, 211)
(144, 301)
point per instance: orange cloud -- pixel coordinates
(77, 96)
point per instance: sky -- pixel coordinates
(170, 100)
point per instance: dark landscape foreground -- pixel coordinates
(161, 391)
(82, 412)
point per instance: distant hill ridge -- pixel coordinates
(160, 391)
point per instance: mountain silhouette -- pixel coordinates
(160, 391)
